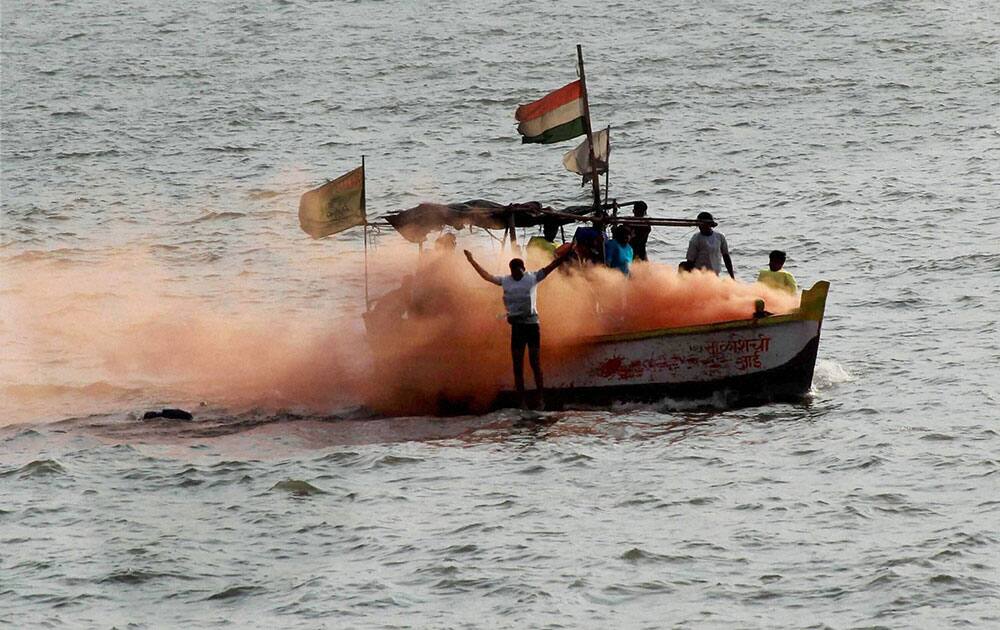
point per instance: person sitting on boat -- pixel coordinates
(445, 243)
(589, 244)
(391, 308)
(640, 233)
(775, 276)
(759, 312)
(618, 252)
(520, 291)
(543, 248)
(426, 297)
(708, 249)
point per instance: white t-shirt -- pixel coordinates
(706, 251)
(521, 296)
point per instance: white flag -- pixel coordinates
(578, 160)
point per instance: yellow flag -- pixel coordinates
(334, 206)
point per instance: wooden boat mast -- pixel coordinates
(595, 181)
(364, 211)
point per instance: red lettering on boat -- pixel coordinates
(618, 367)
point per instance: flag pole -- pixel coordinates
(586, 127)
(364, 211)
(607, 168)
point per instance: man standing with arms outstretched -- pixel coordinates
(520, 290)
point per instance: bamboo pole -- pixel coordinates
(653, 221)
(607, 169)
(513, 232)
(656, 221)
(595, 181)
(596, 215)
(364, 211)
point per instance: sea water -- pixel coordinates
(152, 160)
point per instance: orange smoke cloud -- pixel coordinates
(115, 322)
(92, 337)
(456, 349)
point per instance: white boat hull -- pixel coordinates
(746, 361)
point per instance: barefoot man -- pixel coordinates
(520, 291)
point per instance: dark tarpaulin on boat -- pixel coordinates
(415, 223)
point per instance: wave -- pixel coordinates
(297, 488)
(87, 154)
(230, 149)
(216, 216)
(37, 468)
(828, 374)
(260, 193)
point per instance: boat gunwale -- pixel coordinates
(811, 308)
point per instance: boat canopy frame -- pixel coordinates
(414, 224)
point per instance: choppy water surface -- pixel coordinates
(152, 159)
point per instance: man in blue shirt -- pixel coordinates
(617, 252)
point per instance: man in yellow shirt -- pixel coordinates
(775, 276)
(542, 249)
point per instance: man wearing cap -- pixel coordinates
(708, 249)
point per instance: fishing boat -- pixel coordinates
(757, 358)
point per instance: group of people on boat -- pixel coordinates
(707, 249)
(591, 245)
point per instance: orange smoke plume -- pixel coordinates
(453, 345)
(115, 323)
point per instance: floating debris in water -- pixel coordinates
(168, 414)
(297, 487)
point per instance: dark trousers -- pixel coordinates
(529, 335)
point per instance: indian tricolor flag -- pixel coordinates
(557, 117)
